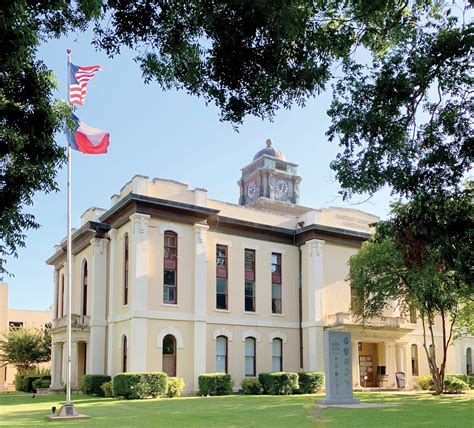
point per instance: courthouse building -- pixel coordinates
(168, 279)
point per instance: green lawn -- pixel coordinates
(18, 409)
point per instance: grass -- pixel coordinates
(406, 410)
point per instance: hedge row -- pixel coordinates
(283, 383)
(215, 384)
(25, 382)
(92, 384)
(140, 385)
(453, 384)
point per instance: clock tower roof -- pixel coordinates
(269, 150)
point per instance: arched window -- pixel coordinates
(125, 269)
(84, 288)
(250, 357)
(124, 353)
(170, 268)
(221, 354)
(468, 361)
(277, 355)
(61, 300)
(169, 355)
(414, 360)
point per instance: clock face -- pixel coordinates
(251, 189)
(282, 187)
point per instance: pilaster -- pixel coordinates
(355, 364)
(98, 305)
(55, 292)
(56, 365)
(139, 291)
(200, 300)
(113, 282)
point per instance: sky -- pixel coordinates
(169, 135)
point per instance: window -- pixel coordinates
(124, 353)
(276, 283)
(250, 356)
(169, 355)
(412, 315)
(84, 289)
(221, 354)
(249, 280)
(414, 360)
(170, 268)
(15, 325)
(221, 277)
(277, 355)
(61, 301)
(468, 361)
(125, 269)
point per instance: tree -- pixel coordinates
(25, 348)
(247, 57)
(381, 275)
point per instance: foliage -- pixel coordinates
(425, 382)
(310, 382)
(278, 54)
(251, 386)
(27, 382)
(383, 273)
(19, 382)
(140, 385)
(281, 383)
(41, 383)
(454, 385)
(92, 384)
(25, 348)
(107, 389)
(174, 387)
(215, 384)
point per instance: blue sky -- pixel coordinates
(168, 135)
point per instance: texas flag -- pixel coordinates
(86, 139)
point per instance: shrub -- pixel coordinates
(266, 381)
(41, 383)
(91, 384)
(310, 382)
(140, 385)
(107, 389)
(251, 386)
(174, 387)
(463, 377)
(425, 382)
(215, 384)
(27, 383)
(471, 381)
(454, 385)
(282, 383)
(19, 382)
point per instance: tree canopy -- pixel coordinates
(25, 348)
(252, 58)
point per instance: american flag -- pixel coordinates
(80, 77)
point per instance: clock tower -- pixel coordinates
(269, 180)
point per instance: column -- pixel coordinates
(56, 365)
(98, 303)
(390, 363)
(314, 300)
(64, 364)
(458, 355)
(355, 364)
(114, 281)
(55, 292)
(200, 301)
(74, 382)
(139, 292)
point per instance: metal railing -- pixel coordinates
(77, 321)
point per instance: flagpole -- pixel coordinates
(69, 247)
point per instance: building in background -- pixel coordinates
(18, 318)
(170, 280)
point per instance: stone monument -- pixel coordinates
(338, 364)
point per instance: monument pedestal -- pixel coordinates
(67, 412)
(338, 364)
